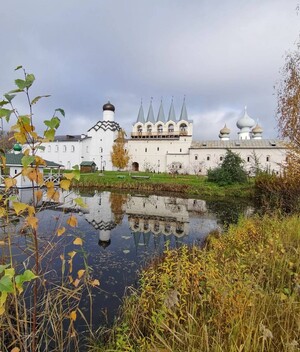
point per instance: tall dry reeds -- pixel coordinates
(240, 293)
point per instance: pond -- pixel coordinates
(121, 234)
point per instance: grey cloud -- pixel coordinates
(221, 55)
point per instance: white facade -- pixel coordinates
(95, 145)
(165, 144)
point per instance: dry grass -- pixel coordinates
(241, 293)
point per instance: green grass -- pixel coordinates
(240, 293)
(184, 184)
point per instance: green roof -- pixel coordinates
(87, 163)
(16, 159)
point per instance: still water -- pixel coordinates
(121, 233)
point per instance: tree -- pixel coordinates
(7, 141)
(288, 108)
(231, 170)
(119, 155)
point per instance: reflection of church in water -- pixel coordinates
(157, 216)
(164, 217)
(101, 217)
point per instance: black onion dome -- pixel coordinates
(108, 106)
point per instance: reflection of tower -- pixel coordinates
(102, 219)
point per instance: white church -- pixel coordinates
(165, 143)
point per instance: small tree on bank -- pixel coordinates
(119, 155)
(288, 109)
(231, 170)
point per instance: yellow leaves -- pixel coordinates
(65, 184)
(72, 221)
(15, 349)
(39, 161)
(95, 282)
(2, 212)
(52, 194)
(80, 273)
(78, 241)
(73, 315)
(61, 231)
(69, 176)
(20, 137)
(32, 221)
(49, 184)
(38, 195)
(19, 207)
(9, 182)
(34, 175)
(72, 254)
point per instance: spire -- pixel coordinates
(141, 117)
(172, 116)
(161, 114)
(150, 116)
(183, 115)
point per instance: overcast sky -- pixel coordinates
(222, 55)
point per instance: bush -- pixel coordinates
(231, 171)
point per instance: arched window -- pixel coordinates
(64, 148)
(72, 148)
(149, 128)
(183, 127)
(140, 128)
(159, 128)
(171, 128)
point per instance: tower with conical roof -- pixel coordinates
(150, 116)
(171, 115)
(161, 115)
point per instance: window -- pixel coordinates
(56, 148)
(49, 148)
(208, 157)
(248, 159)
(101, 150)
(196, 157)
(139, 128)
(149, 128)
(221, 158)
(180, 150)
(87, 149)
(145, 150)
(183, 127)
(159, 128)
(171, 128)
(157, 149)
(64, 148)
(268, 158)
(72, 148)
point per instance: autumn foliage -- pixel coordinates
(119, 155)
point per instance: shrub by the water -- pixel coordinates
(229, 172)
(240, 293)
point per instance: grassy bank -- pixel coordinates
(155, 183)
(240, 293)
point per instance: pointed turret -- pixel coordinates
(183, 115)
(141, 117)
(150, 116)
(171, 116)
(161, 114)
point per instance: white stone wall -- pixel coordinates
(158, 154)
(270, 159)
